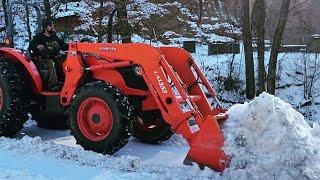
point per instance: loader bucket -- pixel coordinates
(206, 146)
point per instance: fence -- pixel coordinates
(223, 48)
(267, 44)
(292, 48)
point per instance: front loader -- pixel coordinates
(114, 91)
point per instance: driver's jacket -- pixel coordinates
(52, 45)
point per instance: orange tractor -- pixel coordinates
(114, 91)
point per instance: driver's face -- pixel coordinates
(50, 29)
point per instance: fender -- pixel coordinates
(18, 57)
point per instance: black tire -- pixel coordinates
(96, 102)
(13, 101)
(49, 119)
(150, 127)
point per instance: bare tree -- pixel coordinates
(4, 7)
(271, 80)
(47, 9)
(200, 11)
(311, 67)
(308, 73)
(232, 8)
(51, 8)
(123, 26)
(218, 8)
(247, 42)
(258, 24)
(100, 18)
(96, 19)
(312, 17)
(28, 23)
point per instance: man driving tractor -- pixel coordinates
(46, 47)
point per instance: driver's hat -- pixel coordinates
(46, 23)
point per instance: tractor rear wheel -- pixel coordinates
(13, 101)
(100, 118)
(150, 127)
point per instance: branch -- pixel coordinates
(298, 6)
(94, 30)
(294, 77)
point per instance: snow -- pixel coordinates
(268, 139)
(60, 154)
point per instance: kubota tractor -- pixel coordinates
(114, 91)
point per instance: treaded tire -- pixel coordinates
(13, 101)
(153, 129)
(100, 118)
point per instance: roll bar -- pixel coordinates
(10, 27)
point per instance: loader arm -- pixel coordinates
(169, 74)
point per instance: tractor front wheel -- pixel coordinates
(100, 118)
(13, 101)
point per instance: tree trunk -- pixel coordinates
(101, 13)
(271, 83)
(28, 23)
(200, 12)
(247, 42)
(5, 11)
(218, 8)
(47, 9)
(260, 9)
(123, 28)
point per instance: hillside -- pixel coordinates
(162, 20)
(156, 19)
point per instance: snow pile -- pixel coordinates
(268, 139)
